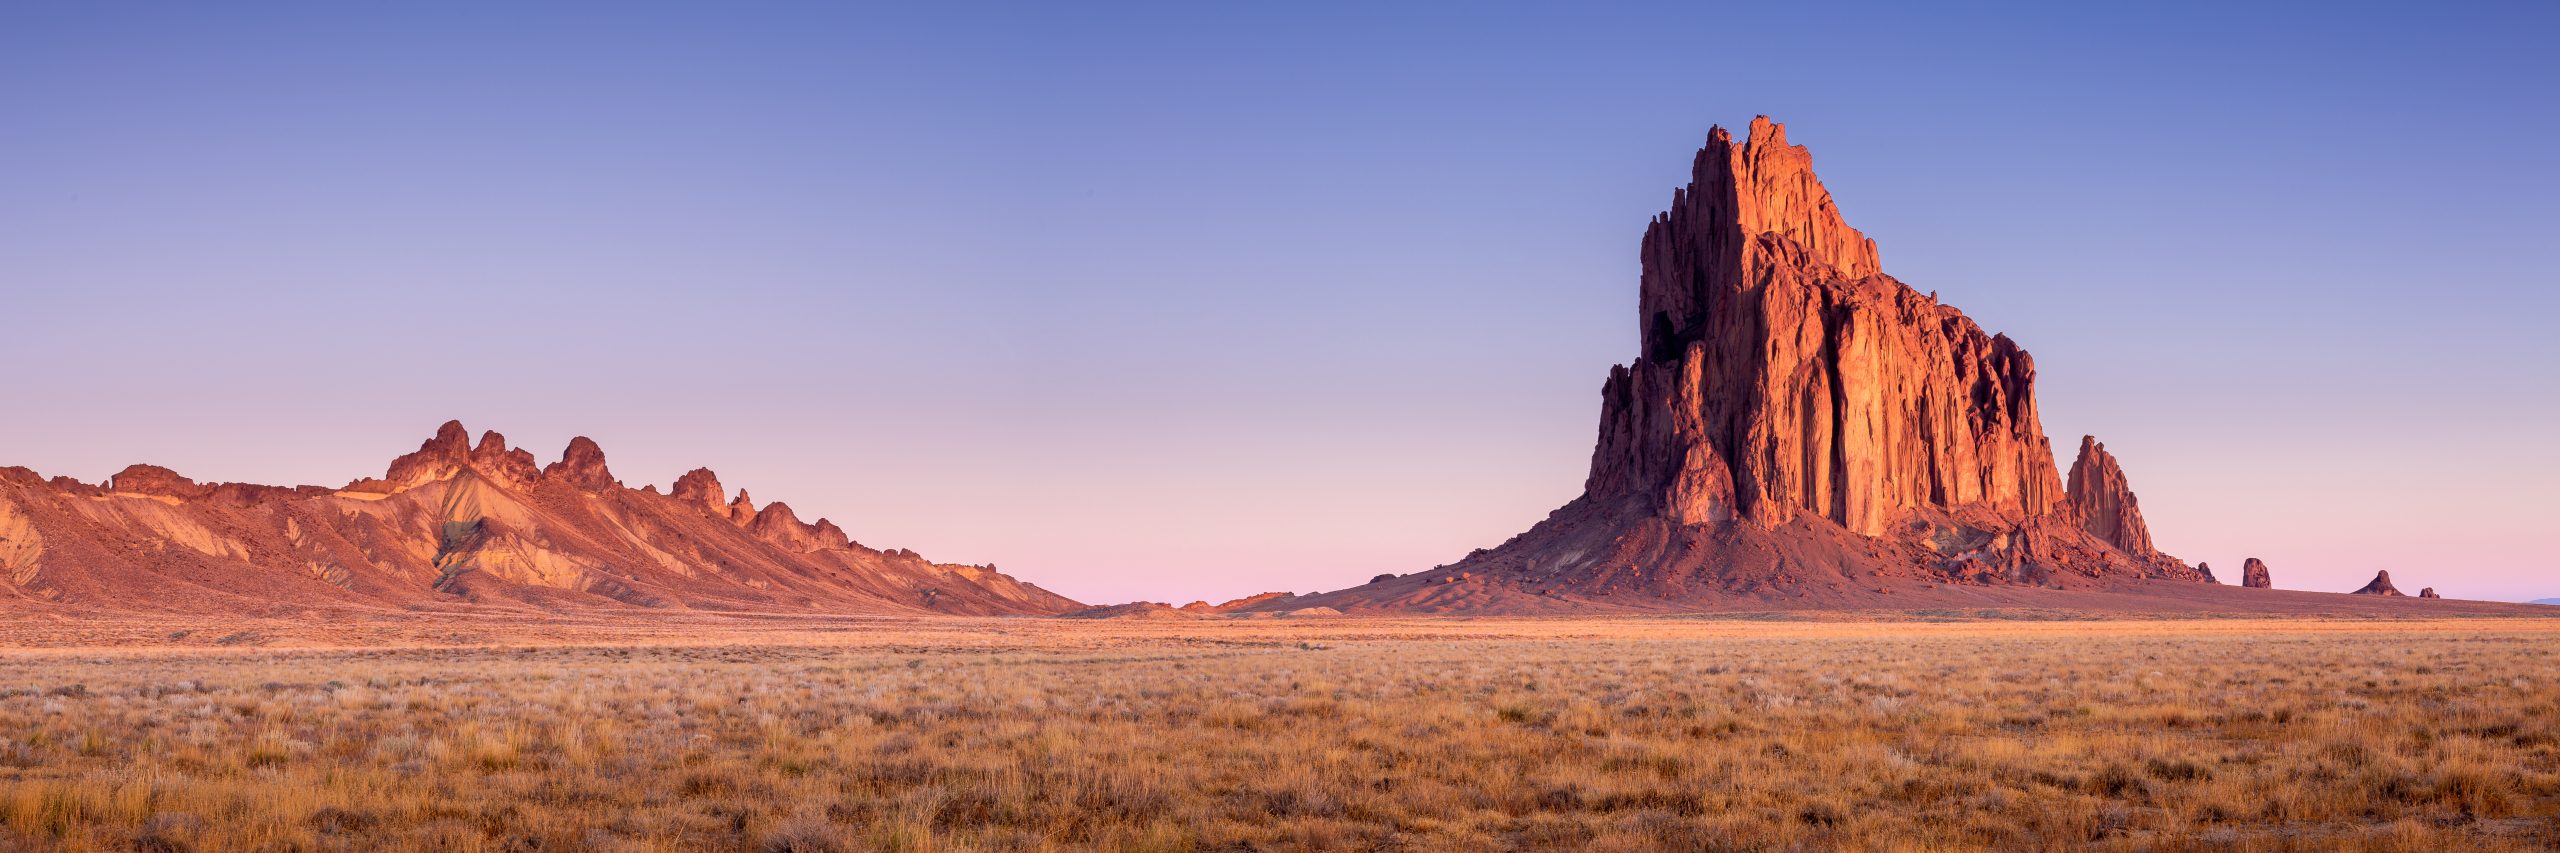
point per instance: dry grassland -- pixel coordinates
(1332, 734)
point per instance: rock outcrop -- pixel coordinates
(582, 466)
(2253, 574)
(1244, 603)
(2105, 503)
(2429, 592)
(153, 480)
(2380, 585)
(1783, 375)
(437, 458)
(1798, 423)
(456, 523)
(701, 488)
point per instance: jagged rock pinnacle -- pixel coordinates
(2105, 503)
(700, 487)
(581, 465)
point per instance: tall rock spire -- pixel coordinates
(1775, 348)
(2104, 502)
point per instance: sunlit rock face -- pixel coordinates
(1776, 350)
(1796, 421)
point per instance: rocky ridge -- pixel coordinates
(463, 523)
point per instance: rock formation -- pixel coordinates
(2105, 503)
(2253, 574)
(459, 523)
(1798, 423)
(2381, 585)
(2429, 592)
(582, 465)
(700, 487)
(1783, 376)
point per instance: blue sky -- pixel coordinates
(1200, 300)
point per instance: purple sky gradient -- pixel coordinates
(1174, 303)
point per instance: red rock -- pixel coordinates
(2254, 575)
(831, 536)
(153, 480)
(1795, 416)
(2380, 585)
(439, 457)
(700, 487)
(454, 524)
(1784, 375)
(2429, 592)
(582, 466)
(493, 459)
(2104, 503)
(777, 524)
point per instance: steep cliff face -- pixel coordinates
(1795, 421)
(1783, 374)
(2380, 585)
(459, 523)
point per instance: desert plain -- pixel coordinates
(1914, 730)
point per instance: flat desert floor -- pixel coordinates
(1737, 733)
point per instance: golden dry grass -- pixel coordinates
(1332, 734)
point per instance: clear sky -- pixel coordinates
(1201, 300)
